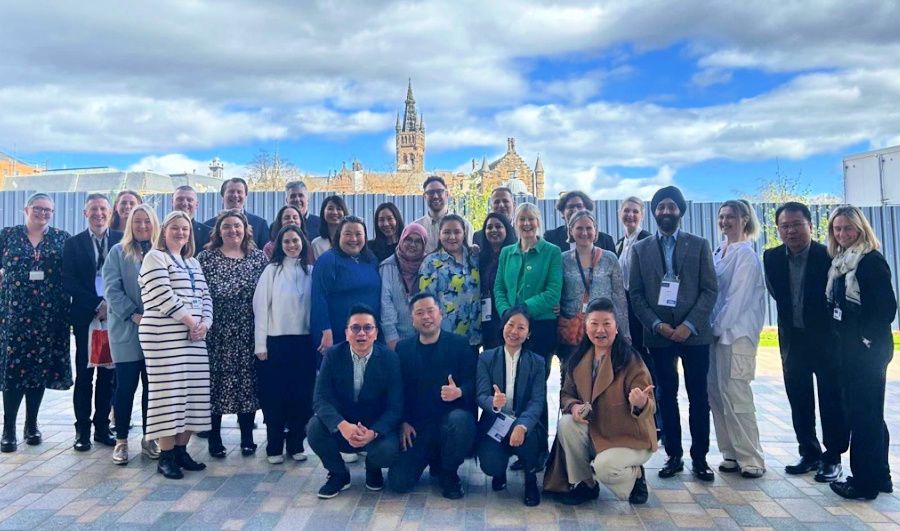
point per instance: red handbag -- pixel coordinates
(98, 346)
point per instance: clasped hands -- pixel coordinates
(356, 435)
(197, 329)
(679, 334)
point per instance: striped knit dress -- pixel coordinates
(177, 368)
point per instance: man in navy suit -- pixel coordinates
(357, 405)
(568, 205)
(438, 427)
(234, 194)
(185, 200)
(83, 256)
(296, 194)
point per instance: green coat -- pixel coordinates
(533, 278)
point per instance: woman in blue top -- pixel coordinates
(343, 276)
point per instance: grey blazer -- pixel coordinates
(531, 388)
(123, 297)
(696, 294)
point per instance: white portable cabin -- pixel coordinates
(873, 178)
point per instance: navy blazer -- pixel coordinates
(621, 243)
(560, 238)
(79, 271)
(380, 402)
(201, 235)
(453, 356)
(311, 224)
(259, 225)
(530, 393)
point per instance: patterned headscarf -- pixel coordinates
(409, 265)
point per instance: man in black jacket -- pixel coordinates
(568, 205)
(357, 404)
(185, 200)
(83, 256)
(234, 194)
(438, 422)
(796, 275)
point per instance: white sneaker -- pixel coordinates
(120, 453)
(299, 456)
(150, 448)
(275, 459)
(349, 458)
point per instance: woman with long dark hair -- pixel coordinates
(332, 211)
(497, 233)
(287, 215)
(125, 202)
(388, 228)
(606, 432)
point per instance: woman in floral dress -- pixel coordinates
(34, 334)
(232, 265)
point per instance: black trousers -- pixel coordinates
(543, 341)
(637, 341)
(127, 376)
(494, 456)
(380, 453)
(84, 387)
(695, 361)
(445, 444)
(285, 388)
(805, 359)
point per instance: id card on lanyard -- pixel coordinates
(196, 303)
(36, 274)
(586, 281)
(668, 287)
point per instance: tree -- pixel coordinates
(269, 171)
(781, 189)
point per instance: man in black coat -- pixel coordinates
(796, 275)
(357, 405)
(83, 256)
(234, 194)
(438, 422)
(568, 205)
(296, 194)
(185, 200)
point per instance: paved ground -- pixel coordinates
(50, 486)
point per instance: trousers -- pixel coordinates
(445, 443)
(84, 387)
(695, 361)
(285, 381)
(493, 456)
(127, 376)
(380, 453)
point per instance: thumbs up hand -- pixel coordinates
(499, 398)
(450, 392)
(638, 397)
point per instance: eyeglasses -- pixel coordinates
(367, 328)
(787, 227)
(435, 193)
(42, 210)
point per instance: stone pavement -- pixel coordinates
(50, 486)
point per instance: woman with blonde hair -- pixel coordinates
(863, 306)
(123, 296)
(178, 313)
(737, 319)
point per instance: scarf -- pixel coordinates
(844, 265)
(409, 265)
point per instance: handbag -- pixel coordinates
(99, 354)
(571, 329)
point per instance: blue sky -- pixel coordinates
(617, 98)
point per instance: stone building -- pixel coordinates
(13, 167)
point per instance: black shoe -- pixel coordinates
(673, 466)
(32, 434)
(639, 493)
(216, 448)
(374, 478)
(451, 486)
(532, 497)
(517, 465)
(334, 485)
(498, 483)
(9, 443)
(886, 486)
(203, 434)
(828, 472)
(104, 437)
(82, 442)
(248, 449)
(848, 489)
(804, 465)
(167, 465)
(185, 461)
(702, 471)
(580, 494)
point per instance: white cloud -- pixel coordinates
(178, 163)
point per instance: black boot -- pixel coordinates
(12, 399)
(185, 461)
(33, 398)
(9, 443)
(245, 421)
(532, 496)
(167, 465)
(216, 448)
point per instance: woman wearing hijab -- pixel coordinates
(497, 233)
(399, 282)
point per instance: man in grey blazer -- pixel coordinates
(673, 289)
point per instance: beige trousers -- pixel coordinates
(617, 468)
(731, 369)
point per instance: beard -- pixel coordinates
(667, 223)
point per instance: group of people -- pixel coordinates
(390, 346)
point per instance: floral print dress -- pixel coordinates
(34, 329)
(232, 362)
(457, 288)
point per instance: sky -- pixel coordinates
(617, 98)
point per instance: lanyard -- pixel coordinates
(187, 268)
(590, 278)
(662, 253)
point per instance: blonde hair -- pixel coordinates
(188, 250)
(129, 245)
(632, 199)
(743, 209)
(856, 218)
(530, 208)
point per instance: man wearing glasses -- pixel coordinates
(436, 198)
(357, 404)
(796, 275)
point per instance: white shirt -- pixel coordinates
(512, 364)
(282, 302)
(433, 228)
(740, 308)
(320, 245)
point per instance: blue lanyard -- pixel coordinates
(187, 268)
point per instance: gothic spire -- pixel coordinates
(410, 122)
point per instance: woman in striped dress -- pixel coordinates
(177, 316)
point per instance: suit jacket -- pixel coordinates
(530, 391)
(79, 271)
(311, 224)
(259, 225)
(619, 244)
(123, 295)
(696, 294)
(380, 402)
(816, 313)
(560, 238)
(201, 235)
(422, 402)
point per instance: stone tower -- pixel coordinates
(216, 168)
(537, 186)
(410, 137)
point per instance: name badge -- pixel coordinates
(196, 304)
(486, 310)
(98, 285)
(35, 275)
(838, 314)
(584, 307)
(668, 293)
(501, 426)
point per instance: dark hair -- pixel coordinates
(397, 216)
(568, 196)
(486, 254)
(94, 197)
(518, 309)
(361, 309)
(226, 182)
(621, 353)
(276, 225)
(185, 188)
(365, 253)
(339, 202)
(502, 189)
(248, 244)
(422, 295)
(459, 219)
(433, 179)
(115, 220)
(793, 206)
(278, 255)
